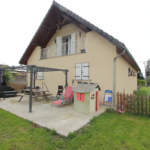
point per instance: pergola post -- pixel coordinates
(30, 98)
(66, 82)
(34, 79)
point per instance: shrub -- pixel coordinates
(141, 82)
(7, 77)
(53, 132)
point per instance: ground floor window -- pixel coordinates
(40, 75)
(82, 71)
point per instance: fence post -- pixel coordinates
(138, 104)
(127, 104)
(118, 101)
(130, 102)
(134, 103)
(142, 103)
(121, 101)
(124, 103)
(146, 105)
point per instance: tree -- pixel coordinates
(148, 68)
(140, 75)
(7, 77)
(148, 81)
(140, 82)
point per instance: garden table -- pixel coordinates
(35, 94)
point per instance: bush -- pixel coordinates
(141, 82)
(7, 77)
(148, 81)
(53, 132)
(142, 91)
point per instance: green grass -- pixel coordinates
(107, 131)
(142, 91)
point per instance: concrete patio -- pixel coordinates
(64, 119)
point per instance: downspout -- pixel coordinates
(114, 76)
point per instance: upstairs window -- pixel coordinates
(66, 45)
(82, 71)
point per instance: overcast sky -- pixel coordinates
(126, 20)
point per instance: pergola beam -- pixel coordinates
(37, 68)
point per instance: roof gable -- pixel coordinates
(54, 20)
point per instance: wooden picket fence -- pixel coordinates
(17, 87)
(133, 103)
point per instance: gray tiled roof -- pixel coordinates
(96, 29)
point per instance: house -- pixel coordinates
(64, 40)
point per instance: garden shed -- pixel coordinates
(86, 97)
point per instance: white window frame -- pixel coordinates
(37, 76)
(81, 72)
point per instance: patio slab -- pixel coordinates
(64, 119)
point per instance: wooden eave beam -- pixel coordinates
(42, 46)
(66, 17)
(80, 27)
(75, 23)
(57, 25)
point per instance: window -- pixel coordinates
(40, 75)
(66, 45)
(82, 71)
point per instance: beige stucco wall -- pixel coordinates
(66, 30)
(124, 83)
(99, 53)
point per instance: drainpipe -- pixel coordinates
(114, 74)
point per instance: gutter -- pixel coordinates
(114, 76)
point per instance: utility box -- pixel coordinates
(86, 97)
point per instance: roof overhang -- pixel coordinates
(128, 57)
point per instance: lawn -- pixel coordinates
(142, 91)
(107, 131)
